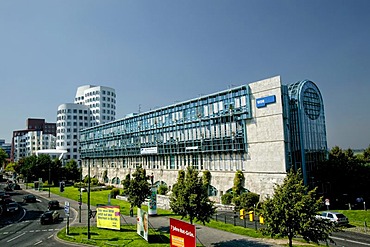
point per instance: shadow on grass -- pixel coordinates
(240, 243)
(91, 233)
(158, 239)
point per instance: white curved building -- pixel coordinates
(93, 105)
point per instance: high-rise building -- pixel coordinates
(39, 135)
(262, 128)
(93, 105)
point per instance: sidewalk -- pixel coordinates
(205, 235)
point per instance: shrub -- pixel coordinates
(249, 200)
(94, 181)
(79, 185)
(162, 189)
(114, 192)
(226, 198)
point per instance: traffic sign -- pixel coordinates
(66, 207)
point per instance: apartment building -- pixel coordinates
(38, 135)
(93, 105)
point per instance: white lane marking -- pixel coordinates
(50, 236)
(39, 242)
(351, 241)
(15, 237)
(5, 233)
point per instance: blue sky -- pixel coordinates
(155, 53)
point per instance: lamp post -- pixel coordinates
(88, 200)
(80, 197)
(49, 180)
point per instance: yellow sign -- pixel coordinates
(108, 217)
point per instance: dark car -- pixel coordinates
(49, 217)
(29, 198)
(12, 207)
(53, 205)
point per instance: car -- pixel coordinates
(11, 207)
(49, 217)
(54, 204)
(335, 217)
(29, 198)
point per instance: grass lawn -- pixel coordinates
(127, 236)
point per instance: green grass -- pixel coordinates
(101, 197)
(127, 236)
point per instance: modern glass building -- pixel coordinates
(262, 128)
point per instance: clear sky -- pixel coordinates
(155, 53)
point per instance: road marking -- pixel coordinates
(50, 236)
(39, 242)
(5, 233)
(351, 241)
(15, 237)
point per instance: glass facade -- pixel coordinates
(307, 128)
(181, 134)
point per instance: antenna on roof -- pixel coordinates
(139, 108)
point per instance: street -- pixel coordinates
(23, 228)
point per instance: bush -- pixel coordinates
(162, 189)
(114, 192)
(79, 185)
(249, 200)
(226, 198)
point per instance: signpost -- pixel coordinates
(66, 210)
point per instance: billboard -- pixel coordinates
(109, 217)
(152, 207)
(182, 234)
(142, 223)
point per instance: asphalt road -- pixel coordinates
(24, 229)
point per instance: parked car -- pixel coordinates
(54, 204)
(29, 198)
(337, 218)
(12, 207)
(49, 217)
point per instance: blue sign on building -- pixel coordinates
(262, 102)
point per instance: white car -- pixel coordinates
(337, 218)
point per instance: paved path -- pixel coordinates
(205, 235)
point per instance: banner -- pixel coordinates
(182, 234)
(152, 207)
(108, 217)
(142, 223)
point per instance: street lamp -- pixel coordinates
(80, 198)
(49, 180)
(88, 200)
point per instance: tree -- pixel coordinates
(207, 179)
(248, 200)
(139, 188)
(72, 172)
(292, 210)
(189, 197)
(238, 183)
(3, 156)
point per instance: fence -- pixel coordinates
(232, 217)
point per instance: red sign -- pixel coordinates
(182, 234)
